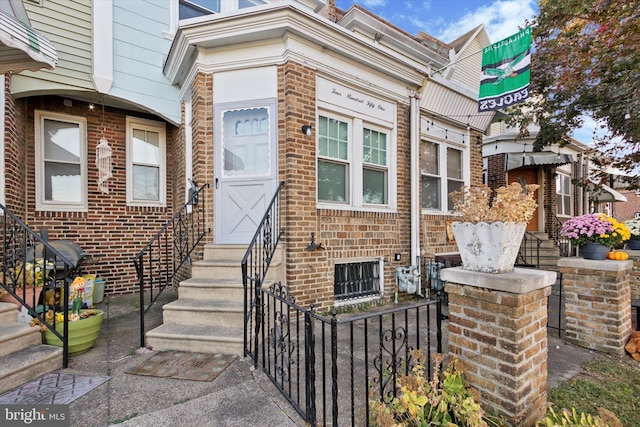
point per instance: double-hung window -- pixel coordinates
(442, 170)
(563, 195)
(146, 163)
(61, 162)
(354, 163)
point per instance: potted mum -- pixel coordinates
(634, 228)
(595, 234)
(489, 234)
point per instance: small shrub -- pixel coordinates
(573, 418)
(440, 402)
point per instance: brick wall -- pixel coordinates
(110, 230)
(597, 303)
(14, 154)
(501, 337)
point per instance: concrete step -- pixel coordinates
(16, 336)
(230, 252)
(211, 289)
(197, 338)
(217, 269)
(28, 364)
(8, 313)
(202, 312)
(234, 252)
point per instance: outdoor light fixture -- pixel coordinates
(306, 129)
(313, 245)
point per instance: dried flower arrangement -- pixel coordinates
(510, 203)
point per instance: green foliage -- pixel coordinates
(569, 418)
(443, 401)
(609, 382)
(585, 62)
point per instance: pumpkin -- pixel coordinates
(618, 255)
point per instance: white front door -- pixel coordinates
(245, 168)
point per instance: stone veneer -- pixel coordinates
(597, 302)
(498, 329)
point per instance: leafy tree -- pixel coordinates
(586, 62)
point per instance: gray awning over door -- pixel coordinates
(521, 160)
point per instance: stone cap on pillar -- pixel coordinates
(519, 281)
(593, 264)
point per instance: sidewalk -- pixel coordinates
(239, 396)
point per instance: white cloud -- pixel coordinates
(369, 4)
(501, 19)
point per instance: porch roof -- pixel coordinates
(520, 160)
(23, 48)
(603, 193)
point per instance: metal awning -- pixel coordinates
(604, 193)
(22, 47)
(521, 160)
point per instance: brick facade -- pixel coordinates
(110, 230)
(498, 330)
(597, 303)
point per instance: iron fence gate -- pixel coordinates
(330, 366)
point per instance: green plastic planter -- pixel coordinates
(83, 334)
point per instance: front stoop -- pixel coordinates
(208, 316)
(23, 357)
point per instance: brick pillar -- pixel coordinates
(498, 329)
(634, 281)
(597, 303)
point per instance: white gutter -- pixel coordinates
(415, 179)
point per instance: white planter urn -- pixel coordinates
(488, 247)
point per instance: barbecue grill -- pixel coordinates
(71, 251)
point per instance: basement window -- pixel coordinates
(357, 280)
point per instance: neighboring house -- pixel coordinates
(221, 96)
(563, 172)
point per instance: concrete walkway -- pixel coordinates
(239, 396)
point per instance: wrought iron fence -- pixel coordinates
(170, 249)
(31, 270)
(330, 367)
(255, 265)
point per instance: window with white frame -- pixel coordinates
(354, 162)
(146, 162)
(61, 162)
(563, 194)
(442, 170)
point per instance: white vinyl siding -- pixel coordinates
(146, 163)
(67, 24)
(61, 162)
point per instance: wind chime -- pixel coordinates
(103, 160)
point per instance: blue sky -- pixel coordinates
(448, 19)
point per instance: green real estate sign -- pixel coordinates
(506, 71)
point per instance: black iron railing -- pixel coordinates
(168, 251)
(529, 253)
(553, 228)
(33, 273)
(255, 265)
(331, 367)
